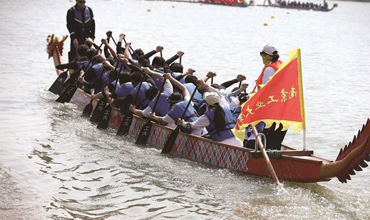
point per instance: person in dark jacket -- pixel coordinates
(80, 24)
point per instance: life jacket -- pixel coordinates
(83, 21)
(82, 64)
(224, 133)
(94, 73)
(158, 82)
(120, 64)
(141, 102)
(178, 109)
(124, 89)
(163, 106)
(176, 74)
(275, 65)
(198, 98)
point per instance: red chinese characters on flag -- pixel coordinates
(280, 100)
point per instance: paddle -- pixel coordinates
(267, 159)
(99, 109)
(127, 119)
(133, 51)
(89, 107)
(70, 89)
(104, 120)
(56, 87)
(173, 136)
(143, 137)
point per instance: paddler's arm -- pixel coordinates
(110, 48)
(188, 72)
(72, 65)
(138, 111)
(208, 76)
(151, 53)
(201, 122)
(175, 57)
(153, 73)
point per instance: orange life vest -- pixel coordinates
(275, 65)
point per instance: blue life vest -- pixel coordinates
(198, 98)
(105, 82)
(158, 82)
(84, 26)
(141, 102)
(176, 74)
(120, 64)
(97, 68)
(124, 89)
(163, 106)
(226, 131)
(82, 64)
(178, 109)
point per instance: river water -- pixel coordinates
(56, 165)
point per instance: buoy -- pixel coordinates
(272, 16)
(149, 10)
(265, 24)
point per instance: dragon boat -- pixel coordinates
(290, 164)
(298, 7)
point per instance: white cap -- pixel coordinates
(269, 49)
(211, 98)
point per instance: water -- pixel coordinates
(56, 165)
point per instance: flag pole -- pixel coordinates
(304, 140)
(300, 81)
(267, 159)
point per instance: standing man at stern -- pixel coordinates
(80, 24)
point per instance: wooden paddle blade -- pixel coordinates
(171, 141)
(67, 84)
(104, 121)
(87, 110)
(143, 137)
(56, 87)
(67, 95)
(98, 111)
(125, 124)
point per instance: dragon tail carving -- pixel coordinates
(351, 158)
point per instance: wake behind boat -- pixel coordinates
(289, 164)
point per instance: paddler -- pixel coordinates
(217, 119)
(178, 103)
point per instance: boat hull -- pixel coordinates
(217, 154)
